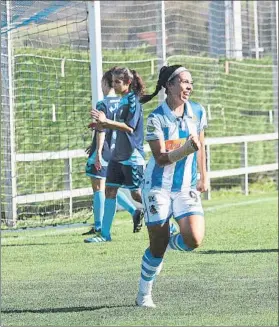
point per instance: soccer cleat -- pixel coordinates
(173, 229)
(97, 239)
(137, 220)
(93, 230)
(145, 301)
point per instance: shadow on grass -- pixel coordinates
(72, 309)
(238, 251)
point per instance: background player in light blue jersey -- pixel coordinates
(175, 133)
(125, 168)
(100, 150)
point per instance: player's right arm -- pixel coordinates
(155, 138)
(100, 137)
(108, 123)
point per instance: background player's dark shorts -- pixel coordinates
(124, 176)
(91, 170)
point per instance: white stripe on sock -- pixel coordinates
(147, 266)
(176, 243)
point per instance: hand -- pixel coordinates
(92, 125)
(202, 185)
(97, 163)
(196, 141)
(88, 149)
(99, 116)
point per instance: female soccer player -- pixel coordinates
(100, 153)
(125, 168)
(175, 133)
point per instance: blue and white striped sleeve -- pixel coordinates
(203, 120)
(153, 129)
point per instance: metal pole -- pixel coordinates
(276, 22)
(244, 163)
(95, 44)
(9, 128)
(255, 3)
(237, 25)
(163, 24)
(228, 29)
(274, 51)
(161, 42)
(208, 192)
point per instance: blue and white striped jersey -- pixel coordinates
(163, 124)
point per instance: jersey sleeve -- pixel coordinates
(134, 112)
(101, 106)
(203, 120)
(153, 129)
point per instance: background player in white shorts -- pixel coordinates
(175, 133)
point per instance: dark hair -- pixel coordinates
(126, 75)
(107, 77)
(164, 75)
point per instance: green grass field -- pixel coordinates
(51, 278)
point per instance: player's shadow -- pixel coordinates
(238, 251)
(71, 309)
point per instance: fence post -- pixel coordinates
(152, 67)
(237, 26)
(68, 185)
(244, 163)
(207, 194)
(256, 29)
(161, 42)
(229, 29)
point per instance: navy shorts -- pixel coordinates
(92, 172)
(119, 175)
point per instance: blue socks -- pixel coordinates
(150, 267)
(176, 243)
(125, 203)
(110, 209)
(104, 210)
(98, 208)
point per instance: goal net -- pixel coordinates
(229, 47)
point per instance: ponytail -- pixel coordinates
(137, 84)
(166, 74)
(131, 76)
(148, 97)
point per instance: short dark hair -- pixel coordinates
(107, 77)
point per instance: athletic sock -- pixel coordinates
(176, 243)
(110, 209)
(125, 202)
(149, 269)
(98, 208)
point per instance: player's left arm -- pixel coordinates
(201, 156)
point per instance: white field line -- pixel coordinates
(238, 204)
